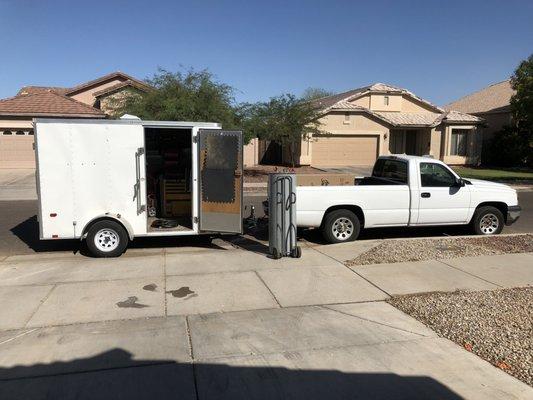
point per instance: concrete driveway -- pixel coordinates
(17, 184)
(229, 323)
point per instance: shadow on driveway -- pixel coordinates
(28, 232)
(116, 375)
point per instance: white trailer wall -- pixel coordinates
(85, 170)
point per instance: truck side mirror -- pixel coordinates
(459, 182)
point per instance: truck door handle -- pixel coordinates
(425, 194)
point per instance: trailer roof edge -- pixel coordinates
(154, 124)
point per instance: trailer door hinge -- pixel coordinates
(195, 219)
(195, 139)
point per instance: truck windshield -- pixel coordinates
(390, 169)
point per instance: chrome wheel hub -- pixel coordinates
(489, 224)
(342, 228)
(106, 240)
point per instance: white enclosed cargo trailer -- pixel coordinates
(111, 181)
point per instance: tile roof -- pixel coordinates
(456, 116)
(410, 119)
(41, 89)
(120, 85)
(328, 101)
(47, 103)
(343, 102)
(493, 98)
(113, 75)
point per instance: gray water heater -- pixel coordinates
(282, 215)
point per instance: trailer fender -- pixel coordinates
(115, 217)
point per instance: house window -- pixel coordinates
(30, 132)
(386, 100)
(8, 133)
(19, 133)
(346, 118)
(459, 141)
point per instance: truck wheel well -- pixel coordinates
(496, 204)
(98, 219)
(350, 207)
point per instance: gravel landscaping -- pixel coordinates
(392, 251)
(497, 325)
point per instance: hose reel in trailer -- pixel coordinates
(282, 216)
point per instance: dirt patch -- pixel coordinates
(497, 325)
(259, 173)
(393, 251)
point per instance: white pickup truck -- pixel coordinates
(406, 191)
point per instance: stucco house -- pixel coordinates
(491, 103)
(381, 119)
(94, 99)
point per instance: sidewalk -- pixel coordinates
(231, 323)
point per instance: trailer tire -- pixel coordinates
(341, 226)
(106, 239)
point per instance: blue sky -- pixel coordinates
(441, 50)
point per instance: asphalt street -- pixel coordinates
(19, 231)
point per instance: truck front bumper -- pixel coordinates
(513, 213)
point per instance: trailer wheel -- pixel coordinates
(107, 239)
(341, 226)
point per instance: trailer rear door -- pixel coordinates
(221, 180)
(87, 169)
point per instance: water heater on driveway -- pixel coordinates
(282, 215)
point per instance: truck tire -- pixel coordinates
(487, 220)
(106, 239)
(341, 226)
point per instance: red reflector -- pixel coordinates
(53, 215)
(54, 236)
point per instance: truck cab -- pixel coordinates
(407, 191)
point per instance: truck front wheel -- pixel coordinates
(341, 226)
(106, 239)
(487, 220)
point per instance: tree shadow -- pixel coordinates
(116, 375)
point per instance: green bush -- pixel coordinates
(510, 148)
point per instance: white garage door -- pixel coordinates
(340, 150)
(16, 151)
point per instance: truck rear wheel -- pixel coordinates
(107, 239)
(341, 226)
(487, 220)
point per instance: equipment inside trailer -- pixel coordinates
(168, 178)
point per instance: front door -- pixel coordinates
(410, 142)
(442, 201)
(221, 180)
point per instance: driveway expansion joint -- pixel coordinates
(372, 321)
(318, 348)
(356, 273)
(469, 273)
(269, 290)
(39, 306)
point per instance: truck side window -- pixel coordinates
(435, 175)
(391, 169)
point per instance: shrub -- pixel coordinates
(510, 148)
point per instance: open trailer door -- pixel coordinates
(221, 180)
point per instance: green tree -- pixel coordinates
(283, 119)
(313, 93)
(184, 96)
(522, 100)
(509, 148)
